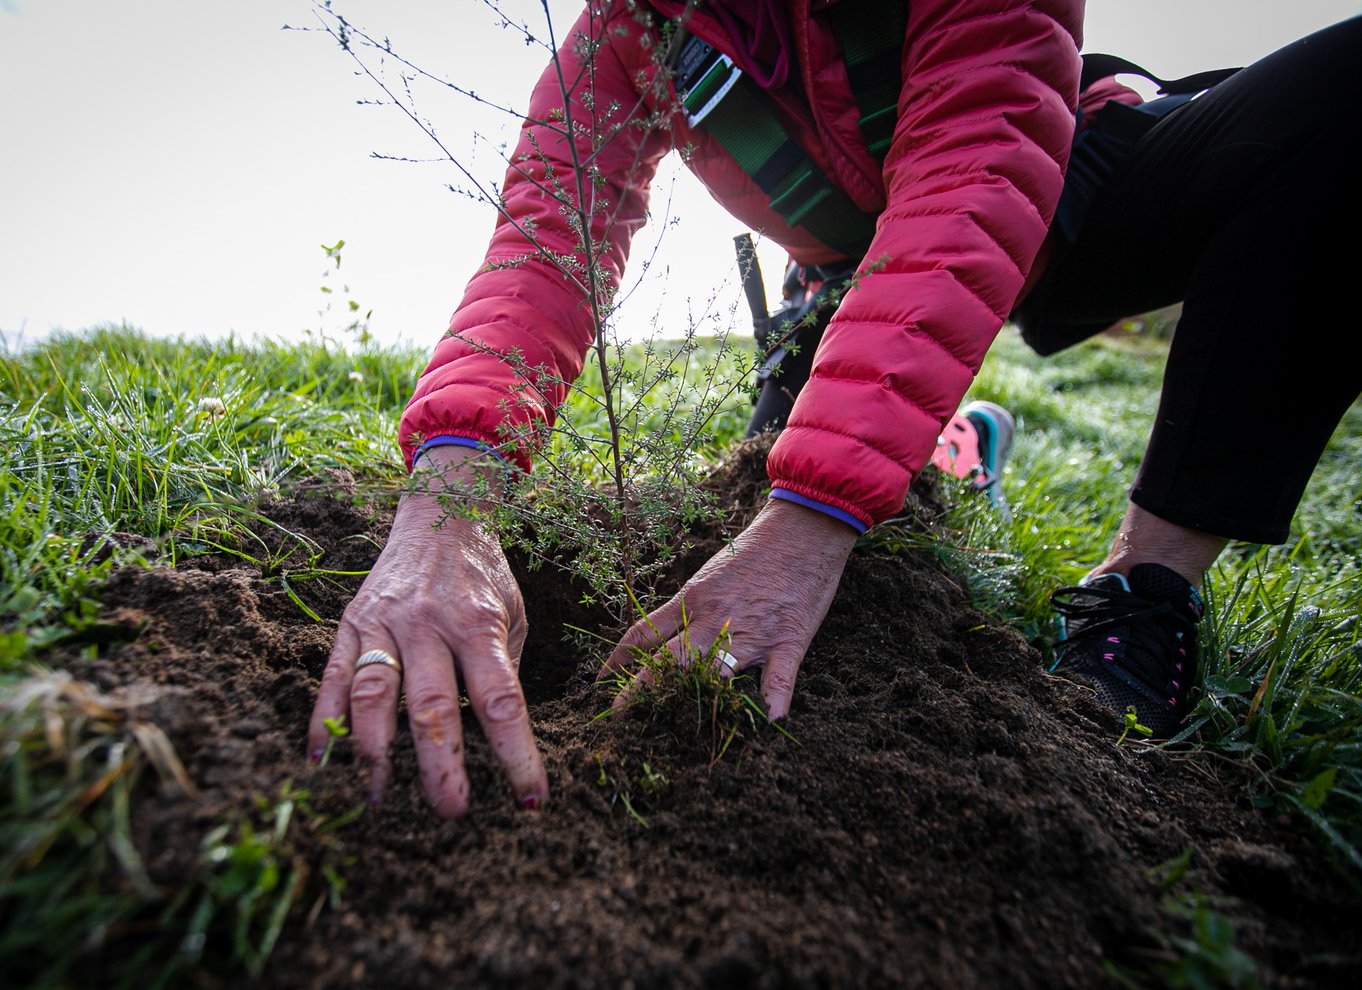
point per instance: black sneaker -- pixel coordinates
(1135, 640)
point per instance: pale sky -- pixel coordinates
(176, 164)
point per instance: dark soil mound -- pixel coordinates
(949, 816)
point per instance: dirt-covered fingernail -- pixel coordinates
(316, 755)
(529, 802)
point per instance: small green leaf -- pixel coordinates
(1315, 792)
(1133, 723)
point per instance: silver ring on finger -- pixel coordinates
(378, 656)
(729, 661)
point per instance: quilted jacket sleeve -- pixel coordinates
(973, 175)
(525, 322)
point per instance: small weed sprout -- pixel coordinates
(654, 783)
(633, 790)
(1131, 723)
(725, 709)
(335, 729)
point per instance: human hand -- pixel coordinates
(761, 599)
(438, 601)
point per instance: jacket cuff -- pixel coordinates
(454, 441)
(828, 510)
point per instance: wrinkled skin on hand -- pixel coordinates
(762, 599)
(444, 602)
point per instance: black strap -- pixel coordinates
(871, 38)
(739, 115)
(1098, 66)
(749, 272)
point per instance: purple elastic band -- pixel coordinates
(827, 510)
(450, 441)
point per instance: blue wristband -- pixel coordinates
(452, 441)
(827, 510)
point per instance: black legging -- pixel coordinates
(1246, 206)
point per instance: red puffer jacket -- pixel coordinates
(965, 196)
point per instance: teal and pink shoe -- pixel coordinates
(975, 444)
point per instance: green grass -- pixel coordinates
(110, 432)
(72, 883)
(176, 442)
